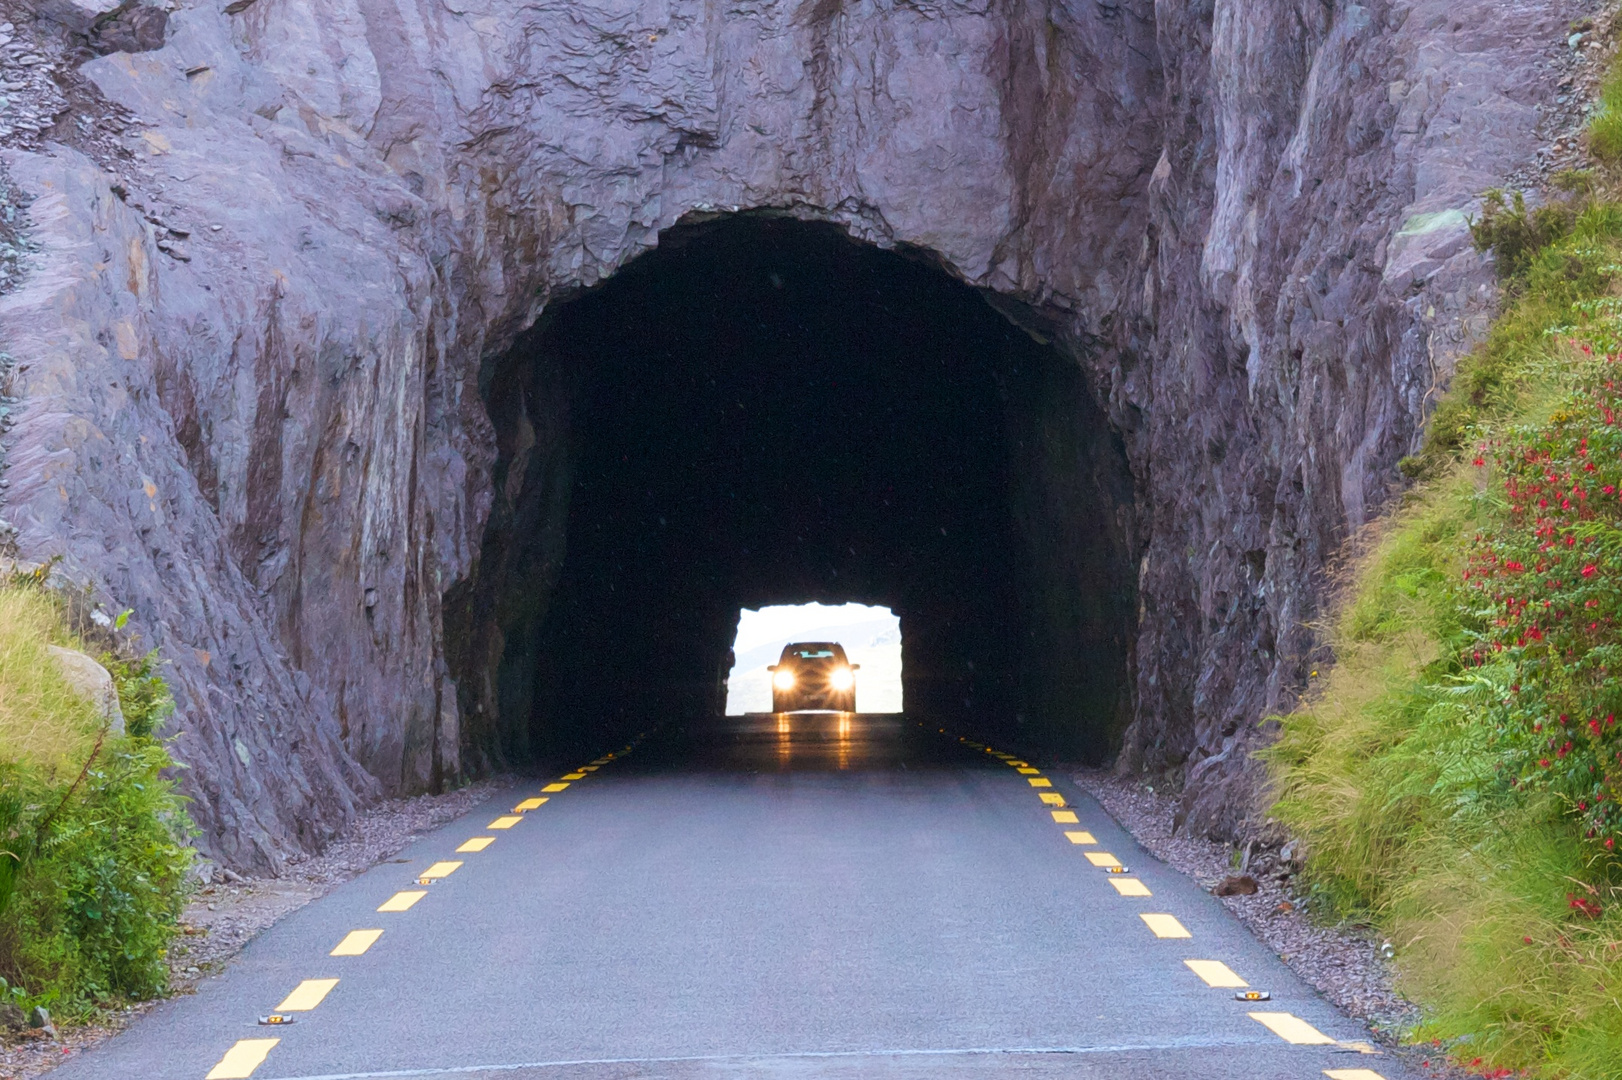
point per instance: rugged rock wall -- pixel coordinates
(248, 354)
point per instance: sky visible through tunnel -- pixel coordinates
(871, 637)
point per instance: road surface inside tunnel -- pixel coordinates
(801, 895)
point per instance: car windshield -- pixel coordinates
(817, 652)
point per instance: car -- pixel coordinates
(813, 675)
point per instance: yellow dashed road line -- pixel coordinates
(307, 995)
(242, 1059)
(1352, 1074)
(1167, 926)
(1028, 771)
(1292, 1029)
(1130, 886)
(1065, 817)
(1216, 973)
(441, 870)
(356, 942)
(246, 1055)
(1076, 836)
(1038, 781)
(402, 901)
(1053, 798)
(1102, 858)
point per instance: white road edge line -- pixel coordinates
(1120, 1048)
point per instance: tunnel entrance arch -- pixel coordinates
(763, 410)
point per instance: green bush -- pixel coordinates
(93, 855)
(1515, 234)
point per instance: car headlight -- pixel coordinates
(783, 680)
(842, 679)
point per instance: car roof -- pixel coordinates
(814, 646)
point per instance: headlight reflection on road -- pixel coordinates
(844, 740)
(785, 741)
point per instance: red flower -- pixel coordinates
(1588, 571)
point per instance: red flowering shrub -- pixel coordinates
(1549, 583)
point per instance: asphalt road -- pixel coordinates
(812, 896)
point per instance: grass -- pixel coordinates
(42, 721)
(1605, 129)
(1397, 770)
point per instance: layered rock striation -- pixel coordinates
(252, 352)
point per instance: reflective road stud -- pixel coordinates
(1064, 817)
(1102, 858)
(506, 821)
(1167, 926)
(1292, 1029)
(1130, 887)
(529, 804)
(307, 995)
(552, 788)
(356, 942)
(402, 901)
(1077, 837)
(1215, 973)
(242, 1059)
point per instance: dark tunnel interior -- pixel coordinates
(763, 411)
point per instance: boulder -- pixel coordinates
(1236, 885)
(80, 16)
(92, 681)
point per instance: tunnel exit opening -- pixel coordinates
(869, 634)
(763, 411)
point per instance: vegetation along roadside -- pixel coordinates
(1456, 775)
(93, 837)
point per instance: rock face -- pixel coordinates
(248, 353)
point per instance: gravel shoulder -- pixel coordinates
(228, 910)
(1348, 965)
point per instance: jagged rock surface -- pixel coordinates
(247, 352)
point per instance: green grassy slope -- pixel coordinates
(1456, 774)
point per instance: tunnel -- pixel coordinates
(762, 410)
